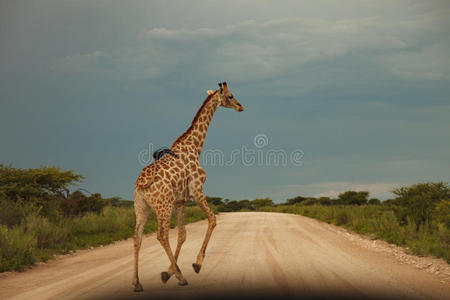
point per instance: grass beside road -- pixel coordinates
(37, 238)
(379, 222)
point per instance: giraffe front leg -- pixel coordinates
(200, 199)
(179, 209)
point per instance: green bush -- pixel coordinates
(39, 217)
(342, 217)
(16, 248)
(374, 201)
(194, 213)
(37, 238)
(353, 198)
(48, 234)
(310, 201)
(442, 213)
(419, 202)
(14, 212)
(325, 201)
(295, 200)
(76, 204)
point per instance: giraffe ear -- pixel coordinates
(210, 92)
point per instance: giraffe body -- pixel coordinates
(168, 183)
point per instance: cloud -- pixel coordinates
(272, 48)
(97, 61)
(264, 49)
(285, 51)
(429, 63)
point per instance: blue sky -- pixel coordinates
(361, 88)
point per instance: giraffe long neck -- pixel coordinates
(194, 137)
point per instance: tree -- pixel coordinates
(214, 200)
(39, 188)
(310, 201)
(118, 202)
(353, 198)
(295, 200)
(257, 203)
(245, 204)
(325, 201)
(390, 202)
(374, 201)
(419, 201)
(35, 185)
(77, 203)
(234, 205)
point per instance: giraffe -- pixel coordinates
(169, 182)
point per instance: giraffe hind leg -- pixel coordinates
(163, 238)
(179, 209)
(141, 210)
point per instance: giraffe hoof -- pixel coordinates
(183, 282)
(138, 288)
(164, 277)
(196, 268)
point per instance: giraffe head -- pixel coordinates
(226, 98)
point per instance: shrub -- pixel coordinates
(419, 202)
(76, 204)
(310, 201)
(325, 201)
(118, 202)
(214, 200)
(374, 201)
(295, 200)
(353, 198)
(14, 212)
(342, 217)
(16, 248)
(255, 204)
(48, 234)
(442, 212)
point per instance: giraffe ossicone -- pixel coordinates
(170, 181)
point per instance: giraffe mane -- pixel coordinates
(197, 115)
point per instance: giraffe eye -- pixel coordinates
(230, 97)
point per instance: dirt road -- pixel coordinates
(264, 254)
